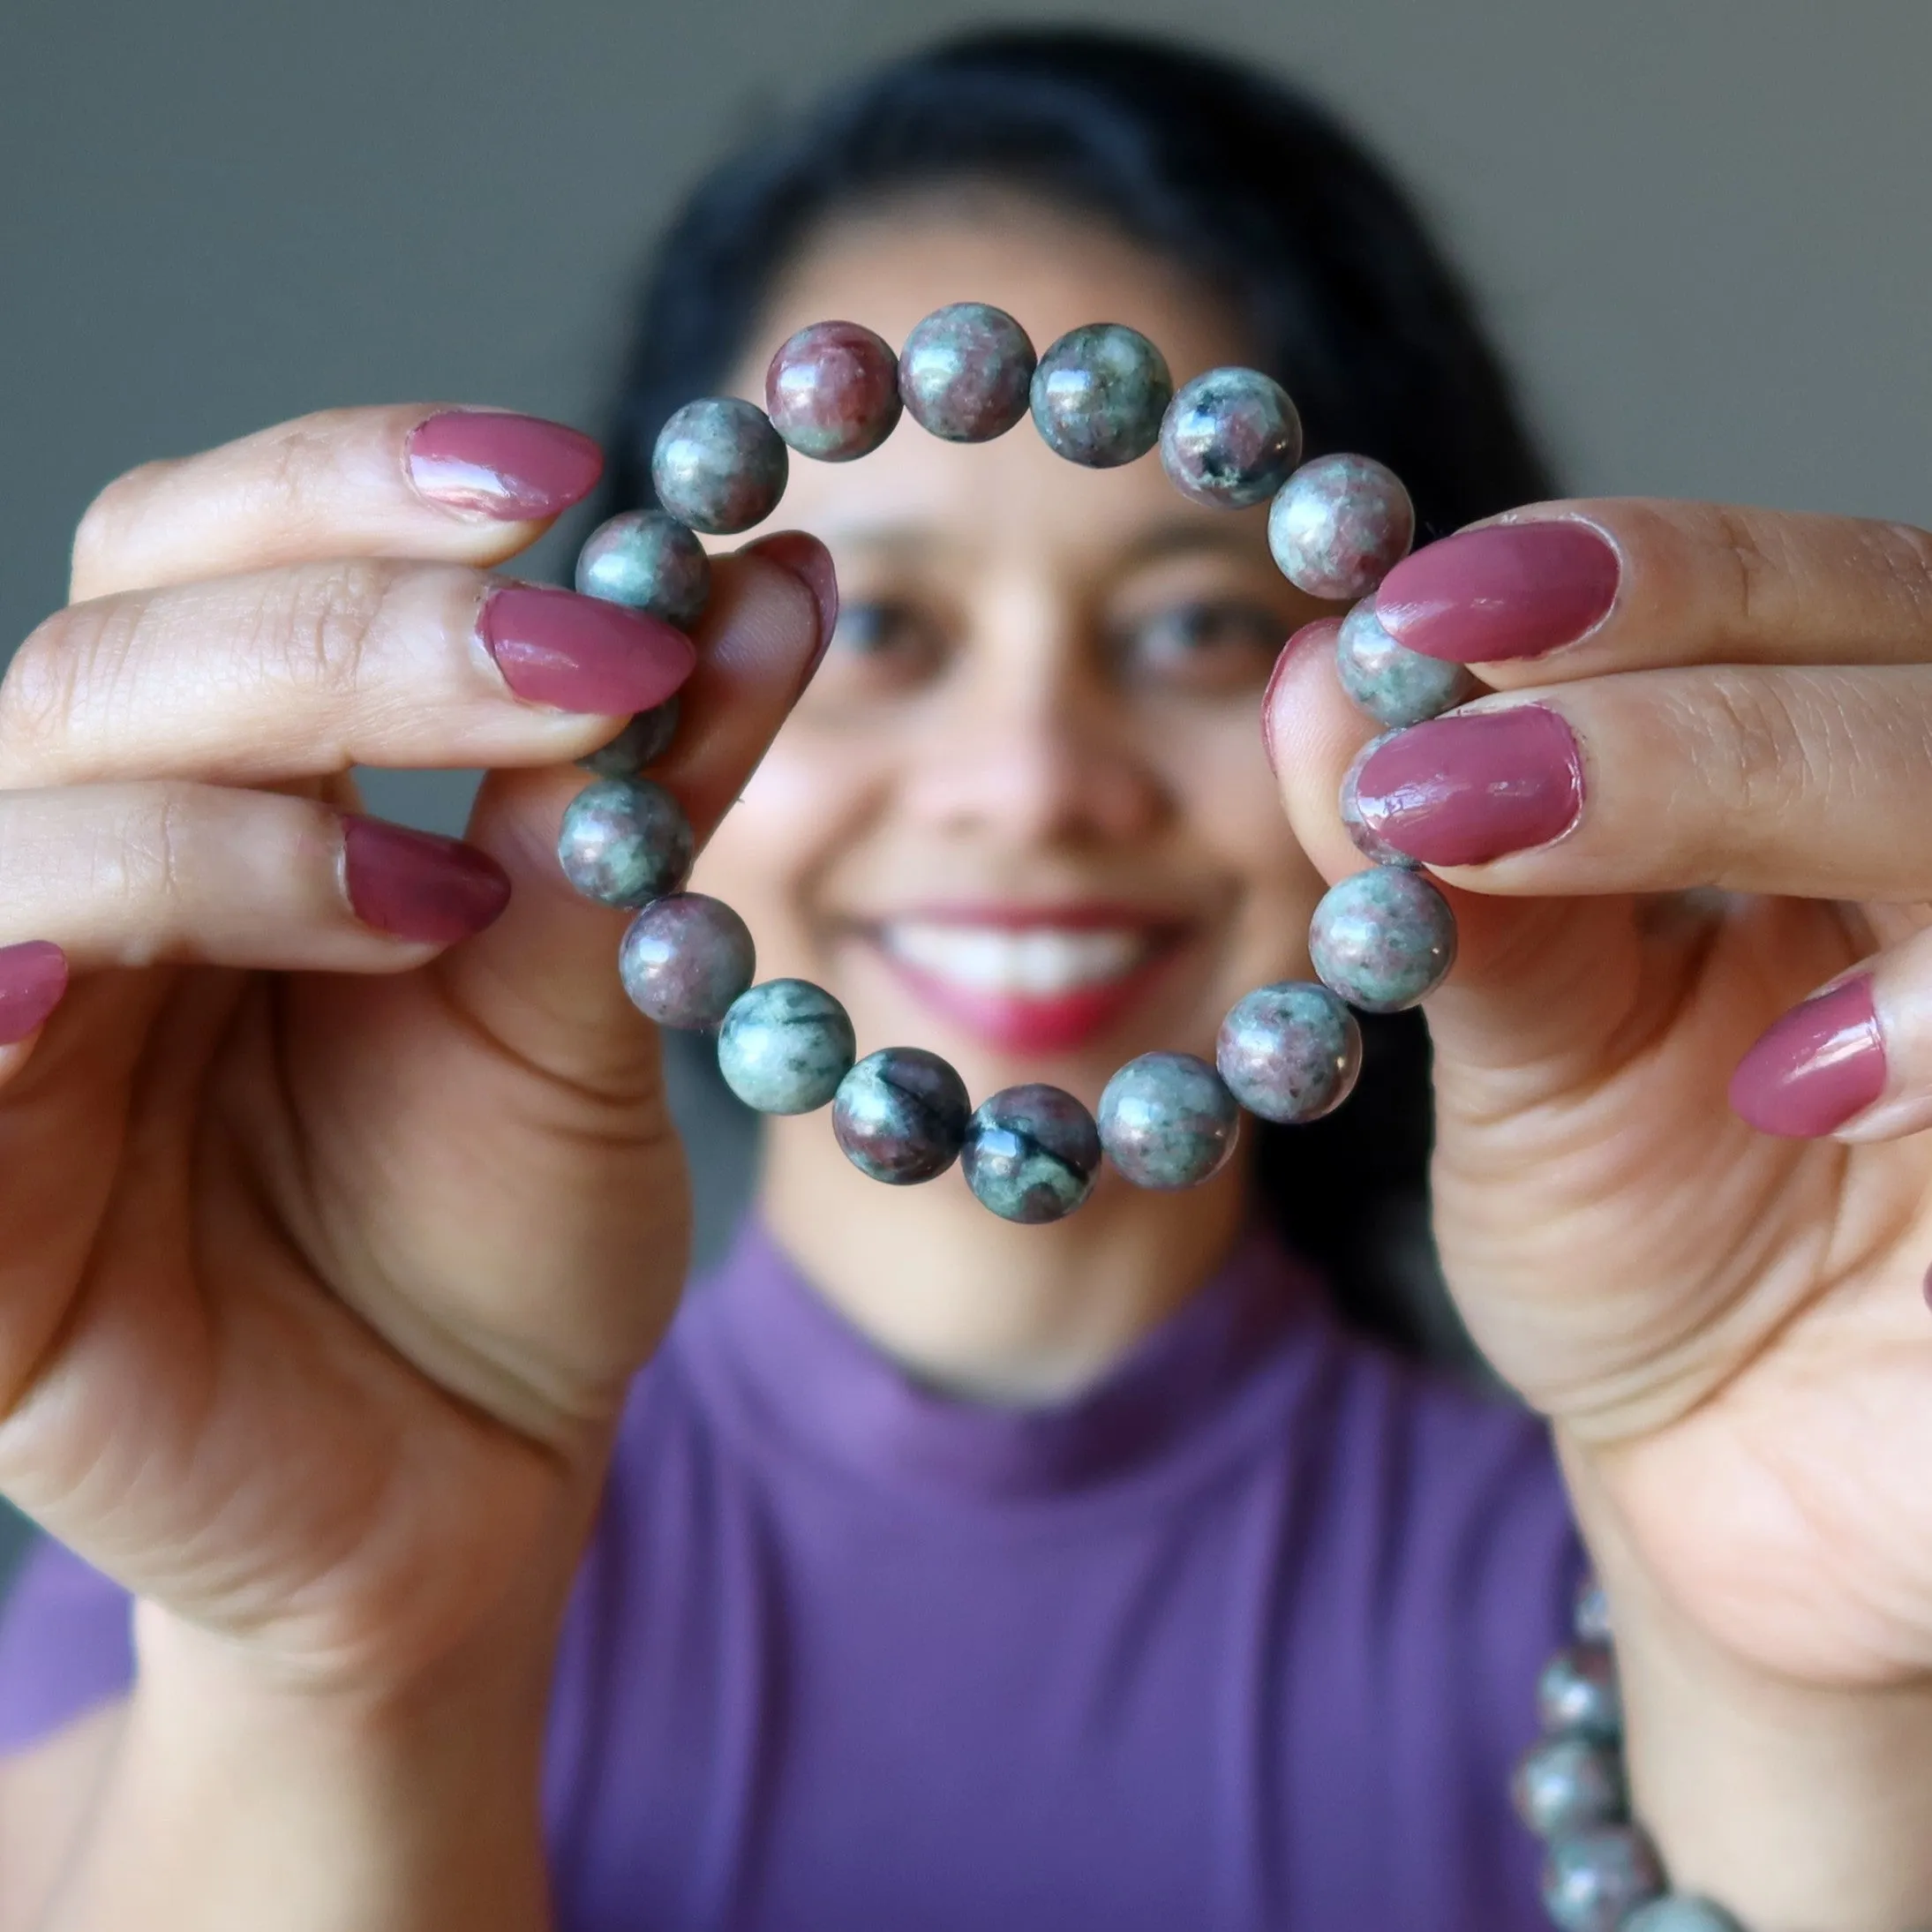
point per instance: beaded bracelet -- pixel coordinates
(1100, 396)
(1601, 1873)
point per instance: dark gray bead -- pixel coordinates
(1564, 1785)
(624, 841)
(1098, 395)
(1166, 1120)
(648, 561)
(1031, 1152)
(1290, 1052)
(1577, 1694)
(685, 958)
(1230, 438)
(900, 1114)
(1382, 939)
(642, 742)
(1393, 684)
(1589, 1622)
(1593, 1879)
(964, 371)
(784, 1047)
(1341, 524)
(719, 465)
(1676, 1913)
(1362, 835)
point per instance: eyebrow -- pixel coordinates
(1180, 537)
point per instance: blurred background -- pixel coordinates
(1701, 227)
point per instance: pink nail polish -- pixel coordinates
(1509, 591)
(417, 886)
(1469, 788)
(489, 462)
(1322, 632)
(581, 654)
(33, 983)
(808, 561)
(1813, 1069)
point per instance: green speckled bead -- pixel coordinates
(1230, 438)
(1577, 1694)
(1166, 1120)
(1290, 1052)
(1396, 685)
(718, 465)
(1098, 395)
(1678, 1913)
(1565, 1784)
(900, 1116)
(1589, 1621)
(784, 1046)
(642, 742)
(1382, 939)
(1031, 1153)
(647, 561)
(1341, 524)
(625, 842)
(1593, 1879)
(964, 373)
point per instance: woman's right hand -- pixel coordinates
(333, 1235)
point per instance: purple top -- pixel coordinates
(1243, 1638)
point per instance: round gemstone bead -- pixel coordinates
(1677, 1912)
(1362, 836)
(1031, 1152)
(1341, 524)
(624, 841)
(1567, 1784)
(964, 373)
(684, 959)
(832, 391)
(1166, 1120)
(1229, 438)
(1589, 1621)
(642, 742)
(1593, 1879)
(1394, 685)
(649, 562)
(900, 1114)
(784, 1046)
(1577, 1694)
(1098, 395)
(719, 465)
(1382, 939)
(1290, 1052)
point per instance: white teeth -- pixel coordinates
(1039, 962)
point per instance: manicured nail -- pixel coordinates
(1463, 790)
(516, 469)
(1815, 1068)
(417, 886)
(1509, 591)
(1322, 631)
(32, 979)
(810, 562)
(581, 654)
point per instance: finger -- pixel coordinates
(406, 480)
(1565, 590)
(303, 671)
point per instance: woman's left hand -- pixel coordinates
(1685, 1059)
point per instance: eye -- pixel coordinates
(882, 645)
(1206, 645)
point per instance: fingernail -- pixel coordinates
(1815, 1068)
(415, 885)
(581, 654)
(491, 463)
(32, 981)
(1510, 591)
(1322, 631)
(808, 561)
(1463, 790)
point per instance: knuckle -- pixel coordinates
(41, 692)
(147, 859)
(316, 630)
(109, 526)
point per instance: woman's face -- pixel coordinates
(1023, 817)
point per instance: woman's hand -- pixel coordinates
(337, 1224)
(1701, 793)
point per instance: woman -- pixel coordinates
(936, 1571)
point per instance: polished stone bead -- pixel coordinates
(1031, 1152)
(1229, 438)
(784, 1047)
(1166, 1120)
(1396, 685)
(719, 465)
(1098, 395)
(684, 959)
(1362, 836)
(1382, 939)
(1565, 1784)
(1589, 1621)
(832, 391)
(900, 1114)
(1341, 524)
(1677, 1912)
(1593, 1879)
(1290, 1052)
(964, 373)
(650, 562)
(642, 742)
(1577, 1694)
(624, 841)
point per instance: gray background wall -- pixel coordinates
(1700, 226)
